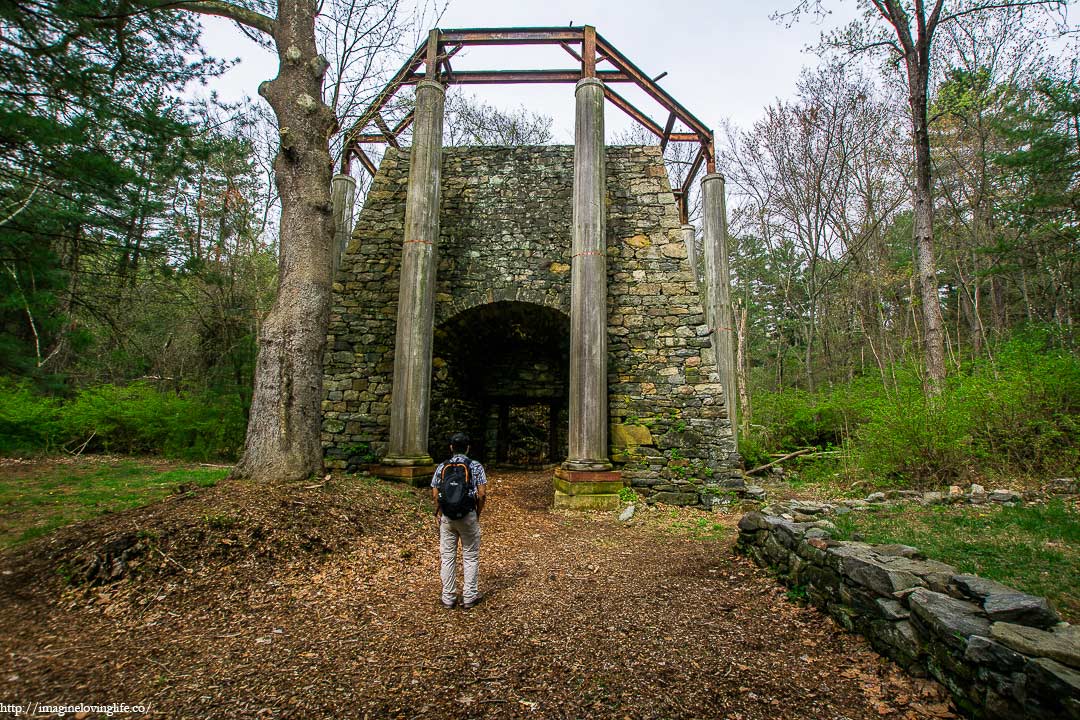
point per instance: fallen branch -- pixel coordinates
(82, 447)
(766, 466)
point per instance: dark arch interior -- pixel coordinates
(500, 374)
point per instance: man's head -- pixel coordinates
(459, 442)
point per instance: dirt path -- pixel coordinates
(584, 618)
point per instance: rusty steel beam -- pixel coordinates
(621, 62)
(594, 50)
(698, 159)
(431, 54)
(513, 36)
(405, 122)
(445, 60)
(387, 133)
(623, 104)
(667, 132)
(588, 52)
(383, 97)
(498, 77)
(365, 160)
(573, 53)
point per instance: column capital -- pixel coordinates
(713, 176)
(588, 82)
(433, 84)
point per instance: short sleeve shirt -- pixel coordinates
(476, 471)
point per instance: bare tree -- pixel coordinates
(470, 121)
(906, 32)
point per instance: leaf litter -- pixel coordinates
(320, 601)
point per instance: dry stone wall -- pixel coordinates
(1002, 654)
(505, 237)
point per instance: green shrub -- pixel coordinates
(1017, 413)
(28, 422)
(131, 419)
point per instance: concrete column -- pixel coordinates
(342, 195)
(411, 400)
(718, 311)
(691, 251)
(588, 441)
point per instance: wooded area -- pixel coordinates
(905, 288)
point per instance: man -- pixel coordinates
(467, 528)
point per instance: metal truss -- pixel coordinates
(583, 44)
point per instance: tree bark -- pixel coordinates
(925, 267)
(283, 437)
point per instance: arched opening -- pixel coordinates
(500, 374)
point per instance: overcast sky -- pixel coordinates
(724, 58)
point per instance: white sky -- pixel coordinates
(724, 58)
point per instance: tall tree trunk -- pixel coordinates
(925, 268)
(742, 370)
(283, 436)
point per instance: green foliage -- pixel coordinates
(62, 493)
(797, 594)
(1018, 413)
(1015, 414)
(134, 419)
(627, 495)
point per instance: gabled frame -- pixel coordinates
(583, 44)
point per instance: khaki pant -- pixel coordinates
(468, 529)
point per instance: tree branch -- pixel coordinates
(220, 8)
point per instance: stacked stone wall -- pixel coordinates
(505, 236)
(1002, 654)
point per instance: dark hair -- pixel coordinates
(459, 442)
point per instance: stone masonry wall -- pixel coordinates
(1001, 653)
(505, 236)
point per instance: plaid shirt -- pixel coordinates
(476, 472)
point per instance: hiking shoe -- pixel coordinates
(449, 605)
(473, 603)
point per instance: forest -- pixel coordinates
(139, 235)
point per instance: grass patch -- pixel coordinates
(1034, 548)
(699, 528)
(36, 499)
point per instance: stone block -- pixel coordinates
(951, 620)
(586, 502)
(584, 487)
(1061, 644)
(984, 651)
(624, 435)
(1052, 689)
(675, 498)
(978, 588)
(891, 609)
(1021, 609)
(751, 522)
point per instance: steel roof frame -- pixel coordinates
(442, 45)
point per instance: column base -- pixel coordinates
(415, 475)
(587, 465)
(586, 490)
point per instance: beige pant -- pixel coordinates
(468, 529)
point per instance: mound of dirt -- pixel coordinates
(196, 532)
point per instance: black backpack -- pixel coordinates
(455, 501)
